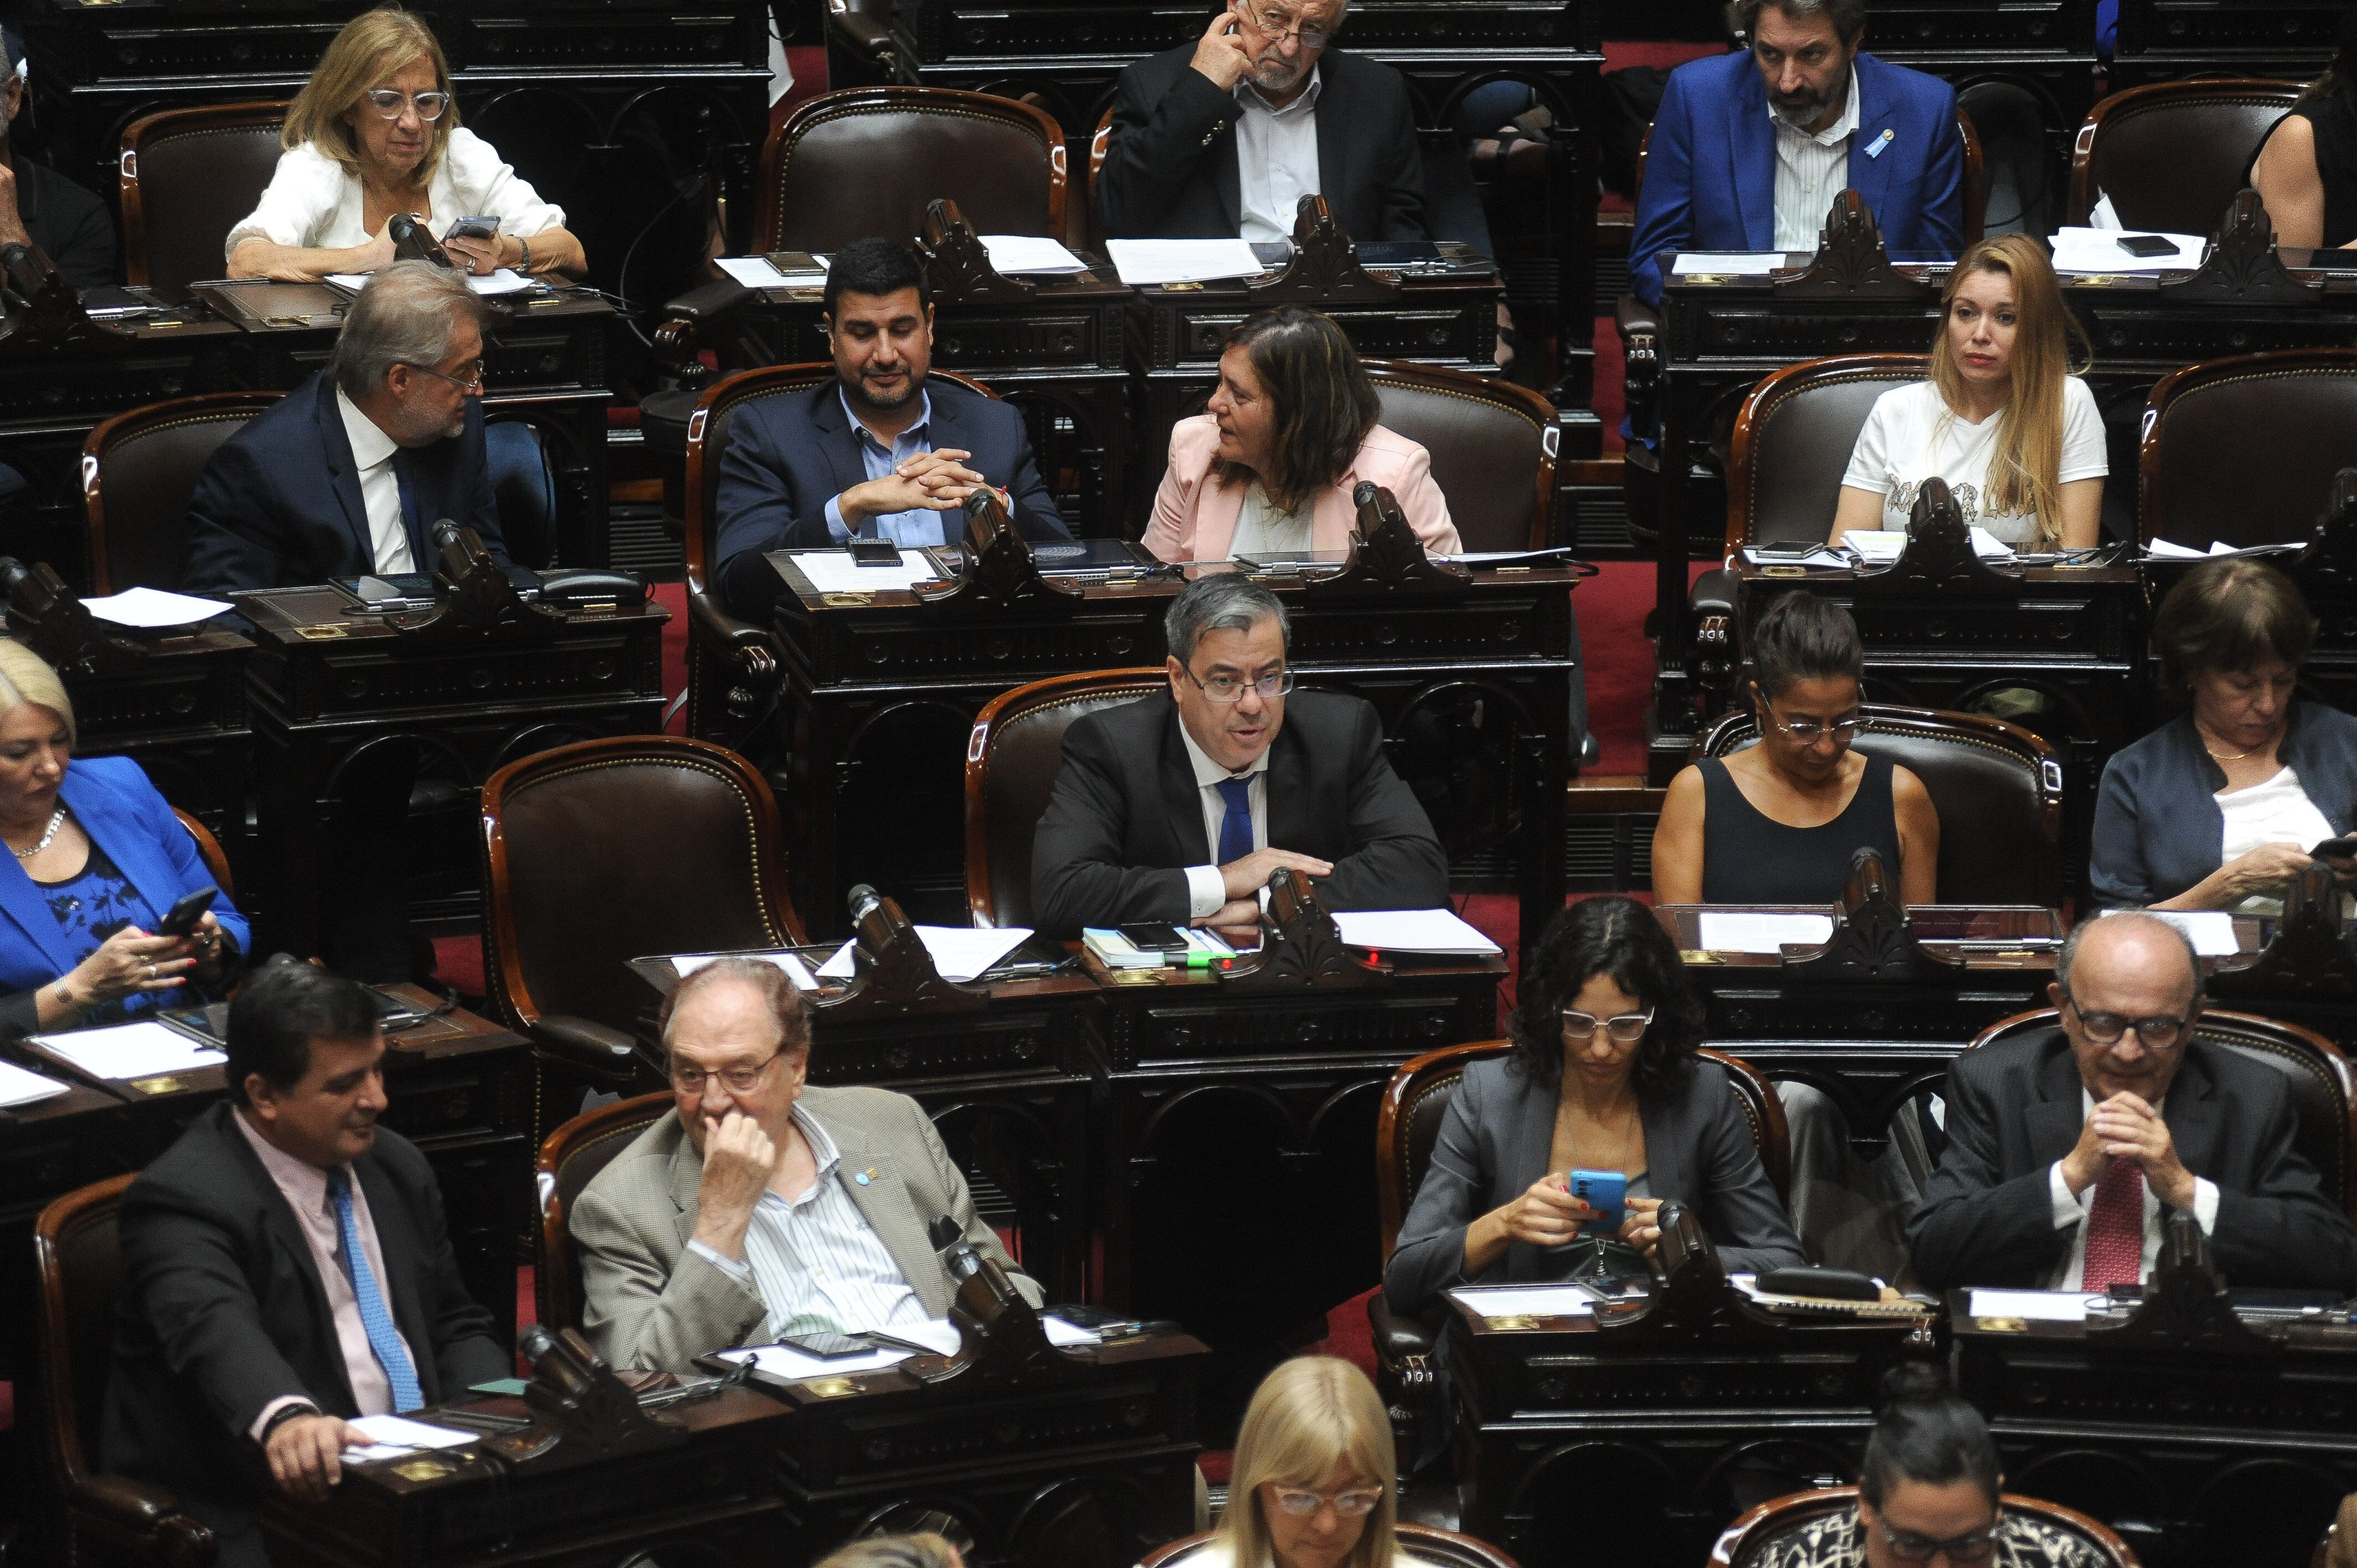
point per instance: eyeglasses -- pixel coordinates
(1277, 26)
(470, 379)
(1230, 688)
(1977, 1546)
(689, 1079)
(1622, 1029)
(1348, 1505)
(388, 102)
(2158, 1033)
(1809, 731)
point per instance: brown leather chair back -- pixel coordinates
(1746, 1541)
(1998, 787)
(2171, 155)
(1100, 144)
(1011, 762)
(570, 1158)
(1416, 1101)
(2323, 1090)
(2244, 449)
(1492, 444)
(609, 849)
(81, 1272)
(187, 175)
(138, 470)
(1793, 439)
(863, 162)
(1418, 1543)
(209, 849)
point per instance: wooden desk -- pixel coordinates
(47, 1150)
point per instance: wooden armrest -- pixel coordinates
(707, 620)
(1397, 1337)
(584, 1043)
(146, 1514)
(1714, 593)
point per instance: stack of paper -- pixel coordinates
(686, 965)
(1727, 264)
(1729, 931)
(131, 1050)
(151, 607)
(2098, 250)
(2032, 1306)
(959, 952)
(1143, 262)
(506, 280)
(1820, 557)
(1527, 1300)
(1881, 547)
(2169, 550)
(1117, 951)
(834, 571)
(760, 272)
(1012, 253)
(18, 1087)
(1412, 930)
(396, 1437)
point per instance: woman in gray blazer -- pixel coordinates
(1603, 1076)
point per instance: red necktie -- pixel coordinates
(2116, 1229)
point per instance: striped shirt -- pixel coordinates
(818, 1264)
(1810, 170)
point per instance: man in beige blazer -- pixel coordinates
(757, 1206)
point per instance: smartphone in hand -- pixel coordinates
(1607, 1192)
(180, 920)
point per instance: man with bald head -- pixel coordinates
(760, 1207)
(2065, 1152)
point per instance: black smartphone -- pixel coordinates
(2146, 245)
(827, 1347)
(1153, 936)
(473, 229)
(181, 919)
(875, 553)
(2339, 849)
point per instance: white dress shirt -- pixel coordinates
(1207, 891)
(1810, 170)
(2071, 1210)
(1262, 530)
(2276, 812)
(818, 1264)
(313, 202)
(1276, 160)
(372, 452)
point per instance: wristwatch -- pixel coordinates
(286, 1414)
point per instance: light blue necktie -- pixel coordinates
(1235, 828)
(381, 1337)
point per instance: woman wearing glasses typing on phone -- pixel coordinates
(1778, 823)
(373, 135)
(1603, 1077)
(1315, 1475)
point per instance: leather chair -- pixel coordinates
(570, 1159)
(2244, 449)
(1998, 787)
(1746, 1541)
(106, 1518)
(187, 175)
(2323, 1089)
(138, 470)
(608, 850)
(1418, 1543)
(1010, 771)
(209, 850)
(1493, 448)
(2171, 155)
(865, 161)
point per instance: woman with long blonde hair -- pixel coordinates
(2004, 417)
(1315, 1475)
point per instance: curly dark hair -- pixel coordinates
(1618, 937)
(1324, 402)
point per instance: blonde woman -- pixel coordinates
(895, 1552)
(374, 133)
(2002, 417)
(1315, 1478)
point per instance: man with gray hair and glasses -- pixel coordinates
(1178, 808)
(348, 474)
(2066, 1150)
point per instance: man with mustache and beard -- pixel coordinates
(1748, 151)
(881, 452)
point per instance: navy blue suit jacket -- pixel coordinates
(1710, 169)
(788, 456)
(279, 505)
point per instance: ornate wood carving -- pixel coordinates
(1872, 938)
(1386, 557)
(1001, 572)
(1851, 262)
(1324, 269)
(899, 980)
(1300, 949)
(957, 263)
(584, 1410)
(1939, 559)
(53, 314)
(49, 618)
(2185, 1307)
(2243, 267)
(473, 599)
(2308, 956)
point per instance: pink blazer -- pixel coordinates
(1195, 514)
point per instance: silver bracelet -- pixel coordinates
(525, 265)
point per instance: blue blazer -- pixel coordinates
(123, 815)
(1710, 170)
(279, 504)
(788, 456)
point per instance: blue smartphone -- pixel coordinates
(1607, 1192)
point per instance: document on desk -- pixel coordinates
(834, 571)
(1727, 264)
(507, 280)
(149, 608)
(130, 1050)
(963, 953)
(2098, 250)
(760, 272)
(1437, 931)
(2033, 1305)
(1881, 547)
(2211, 932)
(686, 965)
(18, 1087)
(396, 1437)
(1729, 931)
(1013, 253)
(1527, 1300)
(1141, 262)
(2169, 550)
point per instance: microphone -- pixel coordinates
(1365, 496)
(864, 900)
(447, 534)
(955, 1249)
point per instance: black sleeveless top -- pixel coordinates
(2333, 121)
(1750, 858)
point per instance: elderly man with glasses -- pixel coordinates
(2065, 1154)
(759, 1209)
(1225, 137)
(1180, 809)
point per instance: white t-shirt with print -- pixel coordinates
(1912, 435)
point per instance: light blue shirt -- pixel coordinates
(914, 529)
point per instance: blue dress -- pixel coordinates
(90, 907)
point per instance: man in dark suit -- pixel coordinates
(1224, 136)
(41, 207)
(348, 474)
(2064, 1154)
(1181, 808)
(881, 452)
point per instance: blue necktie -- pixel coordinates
(1235, 828)
(420, 556)
(390, 1353)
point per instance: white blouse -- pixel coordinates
(312, 203)
(2277, 812)
(1911, 435)
(1262, 530)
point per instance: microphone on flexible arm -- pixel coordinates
(987, 1296)
(877, 920)
(461, 549)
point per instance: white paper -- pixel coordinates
(1063, 1335)
(834, 571)
(1412, 930)
(507, 280)
(1727, 264)
(154, 607)
(1012, 253)
(1144, 262)
(785, 1361)
(796, 970)
(1879, 547)
(2211, 932)
(131, 1050)
(2038, 1305)
(753, 272)
(2098, 250)
(18, 1087)
(1729, 931)
(843, 965)
(1528, 1300)
(2167, 549)
(961, 952)
(403, 1432)
(1820, 556)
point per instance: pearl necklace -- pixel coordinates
(57, 820)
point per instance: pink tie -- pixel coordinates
(2116, 1229)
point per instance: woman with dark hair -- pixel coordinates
(1603, 1077)
(2306, 170)
(1930, 1491)
(2219, 808)
(1779, 822)
(1269, 464)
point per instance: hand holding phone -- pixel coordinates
(1606, 1192)
(180, 920)
(2335, 849)
(1220, 54)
